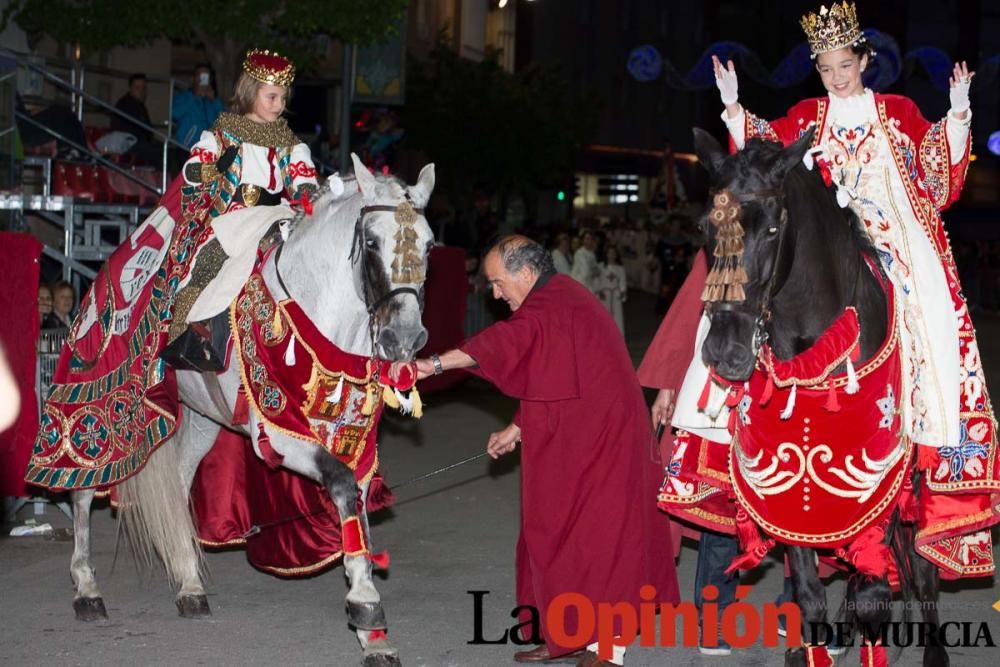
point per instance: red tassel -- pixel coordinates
(754, 546)
(873, 656)
(832, 405)
(927, 457)
(765, 398)
(705, 392)
(272, 458)
(867, 552)
(241, 411)
(375, 635)
(380, 560)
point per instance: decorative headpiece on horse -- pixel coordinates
(832, 29)
(269, 67)
(407, 266)
(726, 279)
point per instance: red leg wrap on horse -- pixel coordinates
(353, 537)
(375, 635)
(873, 656)
(818, 656)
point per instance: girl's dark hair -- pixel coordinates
(863, 48)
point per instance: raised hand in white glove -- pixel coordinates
(959, 82)
(725, 79)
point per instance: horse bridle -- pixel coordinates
(358, 254)
(760, 335)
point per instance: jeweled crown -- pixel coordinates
(269, 67)
(833, 28)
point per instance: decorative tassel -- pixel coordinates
(927, 457)
(873, 656)
(868, 552)
(338, 392)
(369, 405)
(852, 379)
(705, 393)
(754, 546)
(380, 560)
(832, 405)
(272, 458)
(765, 398)
(241, 411)
(418, 403)
(389, 397)
(843, 198)
(290, 352)
(277, 324)
(786, 414)
(404, 404)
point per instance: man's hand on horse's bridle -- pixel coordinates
(425, 368)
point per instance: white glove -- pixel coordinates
(959, 95)
(725, 80)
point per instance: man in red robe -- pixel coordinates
(589, 473)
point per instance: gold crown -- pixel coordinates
(833, 28)
(269, 67)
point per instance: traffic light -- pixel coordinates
(561, 195)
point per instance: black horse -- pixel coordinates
(806, 259)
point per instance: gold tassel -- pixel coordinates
(389, 396)
(418, 405)
(369, 405)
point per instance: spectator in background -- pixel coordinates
(613, 289)
(196, 109)
(63, 302)
(586, 270)
(133, 103)
(60, 120)
(47, 320)
(562, 254)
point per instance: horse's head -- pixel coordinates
(745, 228)
(389, 253)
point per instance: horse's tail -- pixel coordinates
(154, 512)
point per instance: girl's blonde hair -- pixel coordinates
(245, 94)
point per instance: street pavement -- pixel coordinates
(447, 535)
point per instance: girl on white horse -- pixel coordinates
(249, 158)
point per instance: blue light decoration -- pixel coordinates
(993, 143)
(645, 63)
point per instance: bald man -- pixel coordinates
(588, 480)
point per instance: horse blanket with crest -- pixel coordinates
(816, 459)
(299, 384)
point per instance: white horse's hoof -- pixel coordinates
(193, 606)
(381, 654)
(90, 609)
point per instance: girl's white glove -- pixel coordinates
(959, 96)
(725, 80)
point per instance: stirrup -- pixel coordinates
(193, 351)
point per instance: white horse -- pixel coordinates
(336, 265)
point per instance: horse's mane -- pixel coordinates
(808, 197)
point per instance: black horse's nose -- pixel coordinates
(401, 344)
(727, 349)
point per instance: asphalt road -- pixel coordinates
(447, 535)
